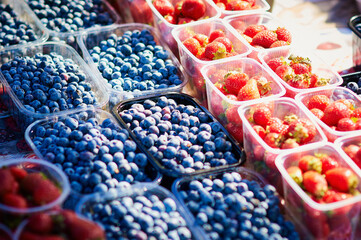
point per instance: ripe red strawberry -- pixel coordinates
(335, 196)
(342, 179)
(262, 116)
(315, 183)
(14, 200)
(296, 174)
(226, 42)
(221, 87)
(238, 5)
(264, 86)
(347, 102)
(178, 9)
(288, 119)
(45, 192)
(309, 162)
(290, 143)
(300, 68)
(194, 9)
(351, 150)
(29, 183)
(279, 43)
(358, 124)
(234, 81)
(216, 34)
(221, 5)
(302, 130)
(249, 91)
(201, 38)
(357, 158)
(40, 223)
(274, 63)
(356, 113)
(272, 139)
(164, 7)
(275, 125)
(253, 29)
(317, 112)
(283, 34)
(334, 112)
(285, 72)
(328, 163)
(7, 181)
(264, 38)
(259, 130)
(18, 173)
(298, 59)
(233, 116)
(215, 50)
(171, 18)
(192, 45)
(300, 81)
(346, 124)
(318, 101)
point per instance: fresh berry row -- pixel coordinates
(183, 11)
(228, 206)
(181, 136)
(215, 46)
(135, 62)
(237, 5)
(70, 15)
(96, 155)
(13, 30)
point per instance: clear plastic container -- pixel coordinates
(186, 100)
(166, 28)
(263, 6)
(334, 93)
(319, 67)
(241, 21)
(92, 38)
(337, 220)
(260, 156)
(354, 25)
(218, 103)
(86, 204)
(192, 64)
(24, 13)
(23, 116)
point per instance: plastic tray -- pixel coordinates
(241, 21)
(24, 13)
(192, 64)
(218, 103)
(334, 93)
(319, 67)
(180, 99)
(260, 156)
(336, 220)
(23, 116)
(166, 28)
(85, 206)
(92, 38)
(263, 7)
(354, 25)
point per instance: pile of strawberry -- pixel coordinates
(284, 133)
(340, 115)
(259, 36)
(62, 225)
(215, 46)
(323, 179)
(297, 72)
(237, 5)
(20, 189)
(182, 12)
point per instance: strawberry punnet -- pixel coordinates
(264, 38)
(315, 183)
(342, 179)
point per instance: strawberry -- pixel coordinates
(184, 20)
(178, 9)
(81, 229)
(328, 163)
(317, 112)
(335, 196)
(274, 63)
(347, 102)
(14, 200)
(357, 157)
(318, 101)
(221, 5)
(285, 72)
(216, 34)
(300, 68)
(45, 192)
(346, 124)
(351, 150)
(358, 124)
(259, 130)
(334, 112)
(262, 116)
(40, 223)
(272, 139)
(193, 9)
(237, 5)
(233, 116)
(279, 43)
(342, 179)
(315, 183)
(18, 173)
(297, 59)
(288, 119)
(296, 174)
(221, 87)
(7, 181)
(302, 130)
(264, 38)
(275, 125)
(201, 38)
(215, 50)
(300, 81)
(192, 45)
(283, 34)
(356, 113)
(29, 183)
(309, 162)
(264, 86)
(234, 81)
(253, 29)
(316, 81)
(249, 91)
(164, 7)
(171, 18)
(226, 42)
(290, 143)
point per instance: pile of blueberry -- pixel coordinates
(12, 29)
(230, 207)
(95, 155)
(355, 86)
(48, 83)
(181, 136)
(134, 62)
(70, 15)
(144, 216)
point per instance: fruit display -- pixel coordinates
(59, 225)
(299, 72)
(336, 110)
(200, 43)
(183, 138)
(143, 211)
(232, 83)
(132, 61)
(234, 204)
(322, 188)
(274, 127)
